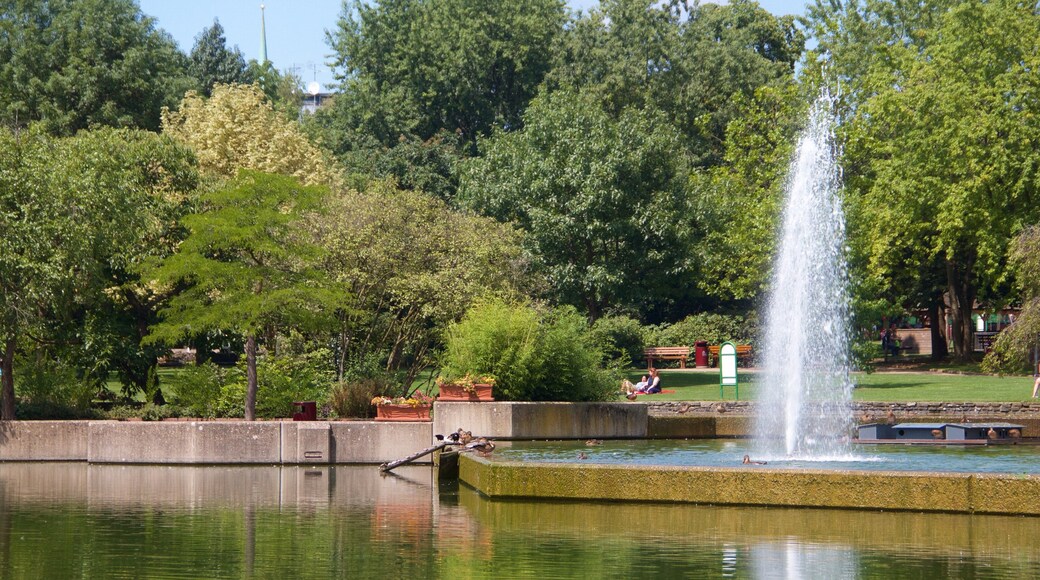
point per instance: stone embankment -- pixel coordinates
(903, 411)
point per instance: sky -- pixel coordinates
(295, 30)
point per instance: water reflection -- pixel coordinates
(77, 520)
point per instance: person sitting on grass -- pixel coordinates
(650, 386)
(632, 388)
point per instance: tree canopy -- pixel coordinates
(75, 64)
(211, 62)
(601, 201)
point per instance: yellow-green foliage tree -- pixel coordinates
(238, 128)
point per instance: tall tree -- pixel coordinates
(247, 267)
(952, 165)
(412, 265)
(420, 66)
(689, 61)
(601, 201)
(78, 215)
(72, 64)
(212, 62)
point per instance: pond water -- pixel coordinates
(107, 521)
(729, 453)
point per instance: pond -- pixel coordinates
(1023, 458)
(106, 521)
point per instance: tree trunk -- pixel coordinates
(7, 382)
(962, 301)
(251, 378)
(937, 317)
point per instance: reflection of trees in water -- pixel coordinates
(373, 526)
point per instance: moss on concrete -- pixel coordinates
(951, 492)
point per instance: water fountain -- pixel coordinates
(805, 403)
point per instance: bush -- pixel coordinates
(48, 388)
(354, 398)
(710, 327)
(864, 351)
(281, 380)
(621, 339)
(535, 355)
(197, 388)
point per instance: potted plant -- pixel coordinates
(469, 387)
(415, 407)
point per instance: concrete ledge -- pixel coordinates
(932, 492)
(184, 442)
(377, 442)
(509, 420)
(43, 440)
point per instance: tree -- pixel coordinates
(77, 64)
(948, 142)
(211, 62)
(689, 61)
(246, 267)
(742, 199)
(412, 265)
(78, 214)
(421, 66)
(237, 128)
(1012, 350)
(601, 201)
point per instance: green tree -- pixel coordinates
(247, 267)
(947, 147)
(420, 66)
(78, 215)
(687, 60)
(741, 200)
(211, 62)
(76, 64)
(1012, 350)
(601, 201)
(412, 266)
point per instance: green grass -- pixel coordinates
(883, 387)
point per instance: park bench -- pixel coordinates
(679, 353)
(743, 352)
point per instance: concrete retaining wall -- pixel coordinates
(43, 440)
(323, 442)
(543, 420)
(948, 492)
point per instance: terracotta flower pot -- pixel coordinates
(403, 413)
(456, 393)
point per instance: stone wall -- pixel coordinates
(913, 410)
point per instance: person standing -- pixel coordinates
(1036, 383)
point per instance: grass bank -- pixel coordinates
(925, 386)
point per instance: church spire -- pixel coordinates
(263, 37)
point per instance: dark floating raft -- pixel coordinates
(941, 433)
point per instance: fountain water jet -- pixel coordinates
(805, 395)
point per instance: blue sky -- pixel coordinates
(295, 30)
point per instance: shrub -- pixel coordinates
(711, 327)
(621, 338)
(354, 398)
(281, 380)
(535, 355)
(197, 388)
(48, 388)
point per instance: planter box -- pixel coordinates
(457, 393)
(403, 413)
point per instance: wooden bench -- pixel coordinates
(743, 351)
(679, 353)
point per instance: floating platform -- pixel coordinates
(941, 433)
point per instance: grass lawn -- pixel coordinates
(883, 386)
